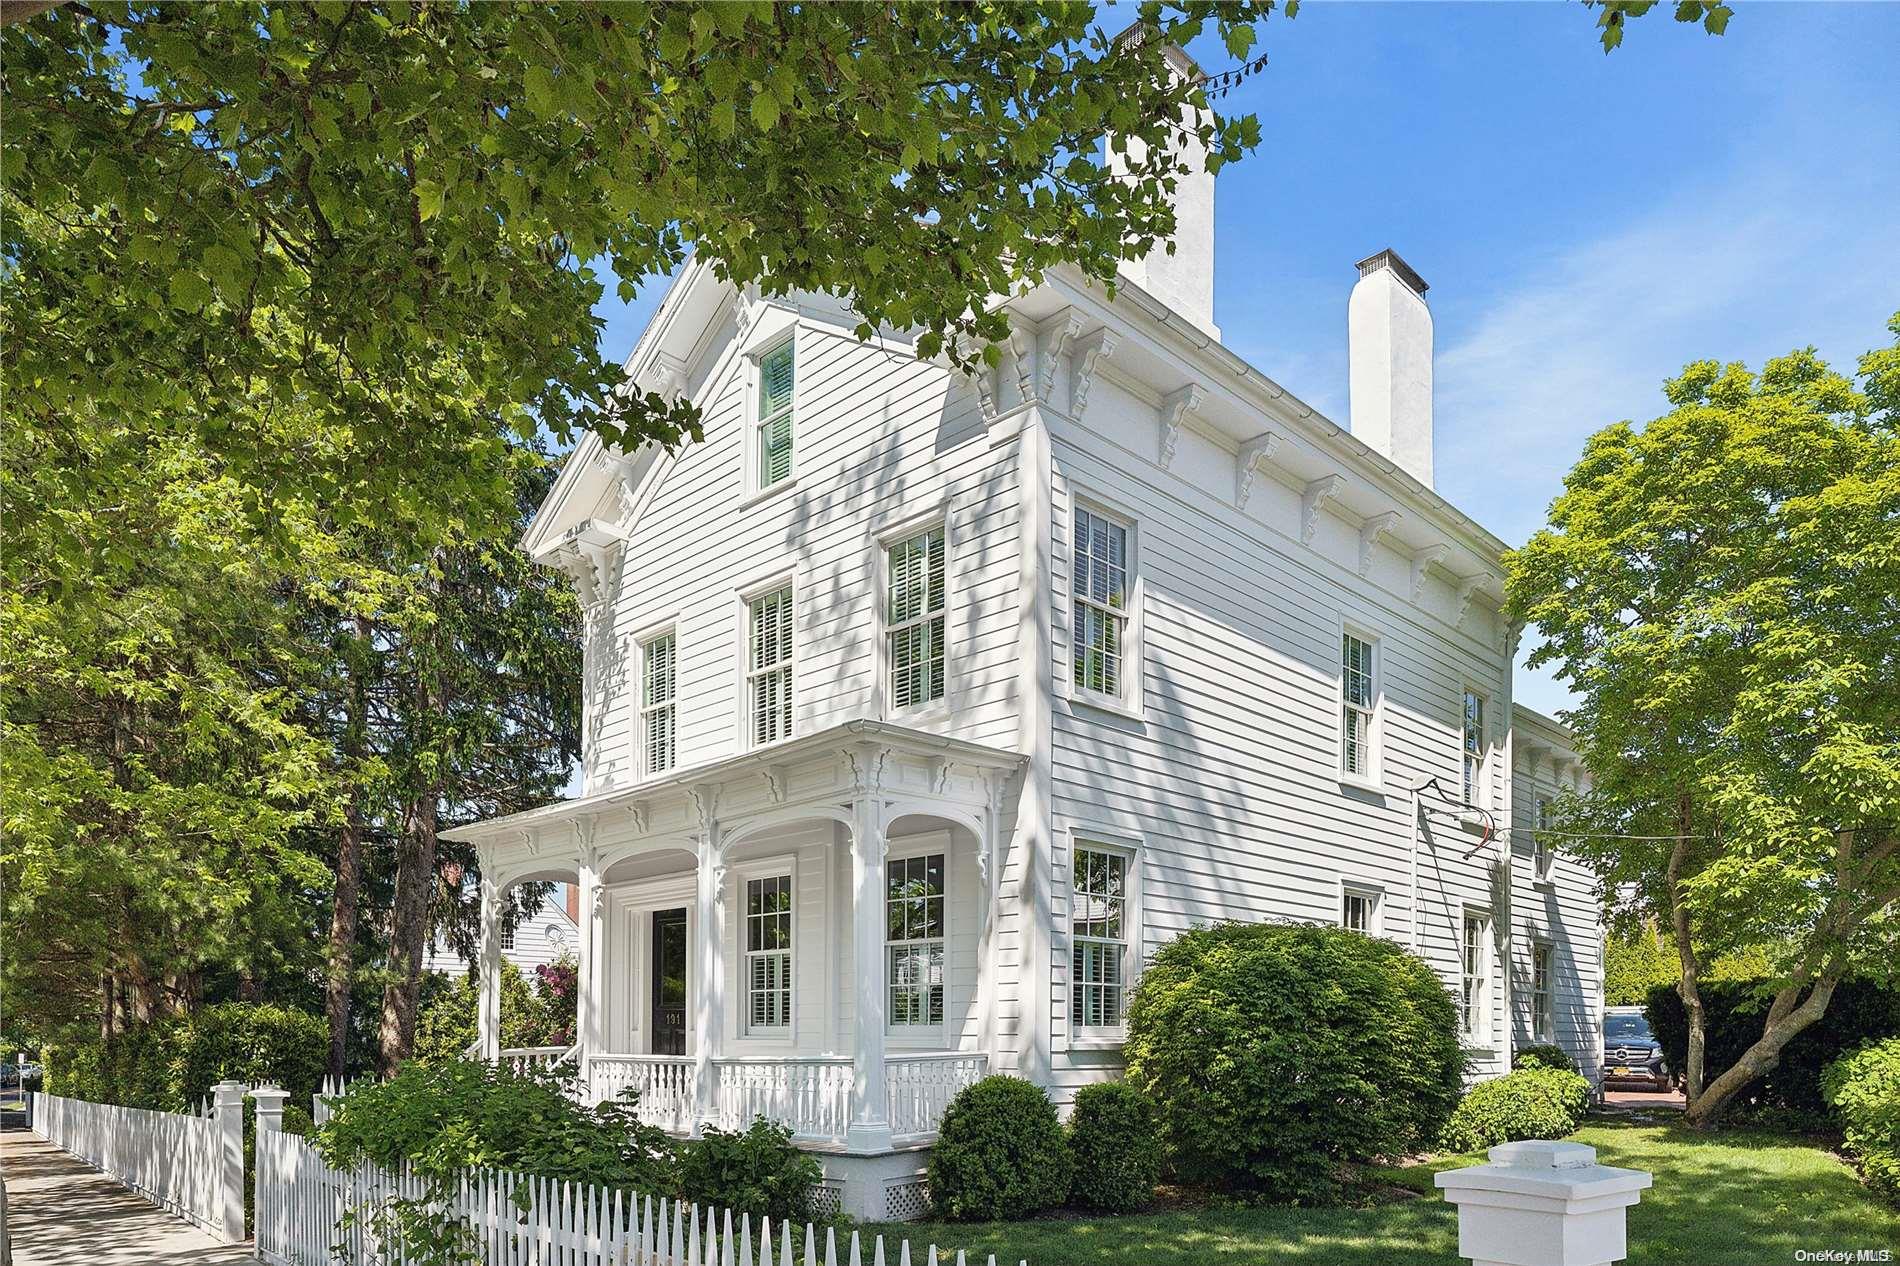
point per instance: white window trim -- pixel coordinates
(1543, 1025)
(883, 538)
(781, 577)
(1481, 777)
(1543, 852)
(1129, 703)
(1374, 777)
(1106, 839)
(1482, 1037)
(920, 1036)
(642, 641)
(777, 328)
(738, 876)
(1355, 888)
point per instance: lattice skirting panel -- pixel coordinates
(906, 1201)
(827, 1201)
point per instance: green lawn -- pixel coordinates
(1740, 1196)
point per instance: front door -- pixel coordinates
(669, 982)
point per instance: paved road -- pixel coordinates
(61, 1212)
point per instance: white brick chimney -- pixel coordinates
(1184, 280)
(1389, 331)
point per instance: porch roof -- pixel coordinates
(897, 738)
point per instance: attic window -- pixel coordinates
(774, 428)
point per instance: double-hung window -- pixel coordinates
(773, 430)
(768, 953)
(1540, 843)
(1473, 976)
(1356, 708)
(1098, 928)
(1359, 910)
(914, 618)
(1542, 993)
(913, 921)
(769, 667)
(1473, 746)
(1100, 600)
(658, 683)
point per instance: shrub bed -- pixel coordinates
(1863, 1089)
(1275, 1053)
(1859, 1011)
(1114, 1148)
(1000, 1153)
(756, 1169)
(171, 1065)
(1532, 1103)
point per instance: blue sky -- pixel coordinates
(1587, 223)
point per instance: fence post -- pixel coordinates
(1540, 1203)
(227, 1099)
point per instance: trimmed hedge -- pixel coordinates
(171, 1065)
(1532, 1103)
(1863, 1089)
(1115, 1147)
(1276, 1052)
(1858, 1012)
(1544, 1055)
(1000, 1153)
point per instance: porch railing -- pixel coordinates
(811, 1094)
(922, 1086)
(522, 1058)
(668, 1086)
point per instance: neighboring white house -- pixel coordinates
(551, 933)
(920, 708)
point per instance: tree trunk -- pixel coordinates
(409, 929)
(341, 959)
(1784, 1022)
(1688, 987)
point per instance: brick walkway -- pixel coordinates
(61, 1212)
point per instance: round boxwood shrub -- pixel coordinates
(1531, 1103)
(1115, 1147)
(1544, 1055)
(1863, 1089)
(1000, 1153)
(1274, 1053)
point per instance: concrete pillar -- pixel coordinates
(1543, 1204)
(227, 1099)
(708, 974)
(869, 1128)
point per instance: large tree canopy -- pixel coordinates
(233, 205)
(1721, 588)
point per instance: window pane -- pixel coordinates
(775, 382)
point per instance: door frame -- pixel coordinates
(627, 1027)
(682, 915)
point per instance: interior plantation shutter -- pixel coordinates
(776, 374)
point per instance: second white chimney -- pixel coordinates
(1184, 280)
(1389, 331)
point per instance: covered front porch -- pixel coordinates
(803, 933)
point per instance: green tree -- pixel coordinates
(1614, 16)
(1721, 589)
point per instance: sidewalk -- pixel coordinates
(64, 1213)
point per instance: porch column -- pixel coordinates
(708, 972)
(586, 995)
(869, 1129)
(488, 968)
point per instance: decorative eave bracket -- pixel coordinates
(1090, 351)
(1252, 461)
(1175, 407)
(1369, 533)
(1422, 560)
(1313, 500)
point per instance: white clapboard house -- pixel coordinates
(550, 934)
(921, 707)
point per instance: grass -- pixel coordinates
(1735, 1197)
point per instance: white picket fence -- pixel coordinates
(189, 1163)
(301, 1203)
